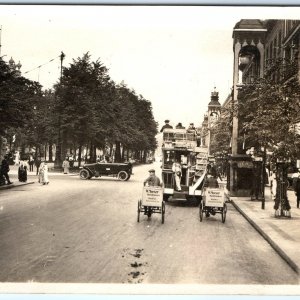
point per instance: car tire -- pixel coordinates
(123, 175)
(84, 174)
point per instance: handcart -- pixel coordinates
(151, 202)
(213, 201)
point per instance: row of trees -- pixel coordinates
(85, 110)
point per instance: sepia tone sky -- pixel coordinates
(172, 55)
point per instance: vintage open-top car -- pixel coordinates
(122, 171)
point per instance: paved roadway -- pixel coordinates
(86, 232)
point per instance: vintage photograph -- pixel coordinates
(149, 149)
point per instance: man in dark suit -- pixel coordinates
(167, 125)
(5, 169)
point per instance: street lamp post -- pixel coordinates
(58, 160)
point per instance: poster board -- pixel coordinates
(152, 196)
(214, 197)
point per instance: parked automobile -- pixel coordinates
(122, 171)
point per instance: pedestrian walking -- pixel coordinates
(22, 171)
(71, 161)
(296, 187)
(177, 170)
(37, 163)
(43, 173)
(66, 166)
(31, 163)
(5, 169)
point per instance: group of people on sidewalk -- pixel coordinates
(24, 166)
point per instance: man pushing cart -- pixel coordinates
(213, 199)
(152, 197)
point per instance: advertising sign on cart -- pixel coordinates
(214, 197)
(152, 196)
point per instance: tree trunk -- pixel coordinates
(45, 152)
(118, 152)
(79, 155)
(123, 153)
(90, 152)
(94, 153)
(50, 153)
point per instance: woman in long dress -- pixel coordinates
(43, 173)
(22, 171)
(66, 166)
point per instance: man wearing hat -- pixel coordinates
(152, 180)
(191, 127)
(179, 126)
(167, 125)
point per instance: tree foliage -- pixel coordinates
(17, 98)
(85, 109)
(92, 110)
(268, 111)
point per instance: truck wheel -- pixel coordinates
(84, 174)
(122, 175)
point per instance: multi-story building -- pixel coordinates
(262, 49)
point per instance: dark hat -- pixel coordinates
(191, 123)
(151, 170)
(167, 121)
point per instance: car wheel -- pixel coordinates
(123, 175)
(84, 174)
(128, 177)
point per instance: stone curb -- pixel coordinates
(6, 187)
(283, 255)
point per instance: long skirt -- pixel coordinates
(22, 175)
(43, 177)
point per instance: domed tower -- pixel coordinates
(214, 111)
(204, 131)
(214, 108)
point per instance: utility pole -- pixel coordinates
(58, 160)
(62, 56)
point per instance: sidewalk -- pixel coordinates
(283, 234)
(14, 171)
(31, 177)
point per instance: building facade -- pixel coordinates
(268, 50)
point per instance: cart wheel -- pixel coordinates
(201, 211)
(224, 211)
(139, 210)
(163, 209)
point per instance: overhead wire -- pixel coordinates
(38, 67)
